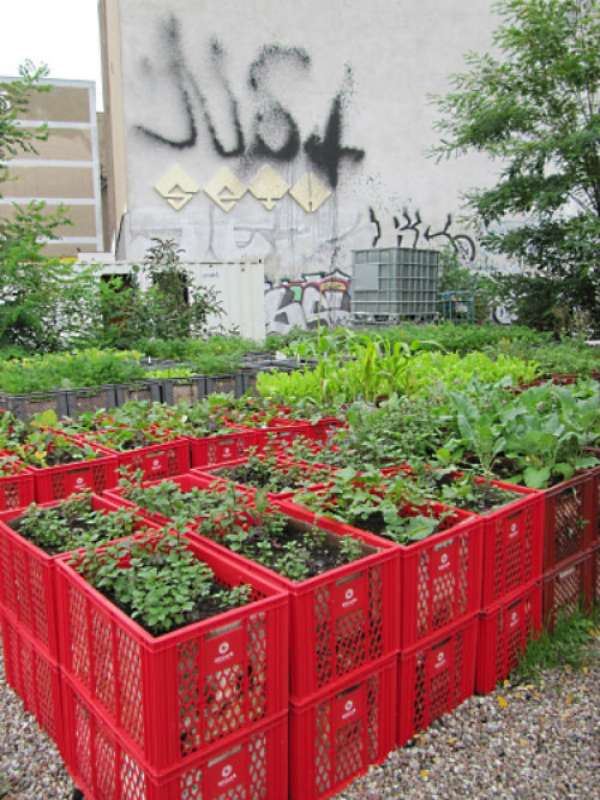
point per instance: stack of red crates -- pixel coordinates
(511, 588)
(199, 712)
(570, 545)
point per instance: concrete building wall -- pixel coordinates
(292, 132)
(66, 168)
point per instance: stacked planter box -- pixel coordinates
(203, 706)
(16, 490)
(511, 589)
(30, 622)
(161, 460)
(439, 598)
(570, 535)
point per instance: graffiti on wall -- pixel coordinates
(462, 244)
(275, 134)
(311, 300)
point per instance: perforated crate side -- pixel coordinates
(173, 696)
(595, 537)
(504, 631)
(56, 483)
(343, 619)
(567, 589)
(27, 580)
(595, 566)
(212, 450)
(570, 513)
(34, 677)
(513, 547)
(435, 677)
(162, 460)
(253, 766)
(441, 579)
(16, 491)
(335, 738)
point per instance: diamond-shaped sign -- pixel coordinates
(176, 187)
(310, 193)
(268, 187)
(225, 189)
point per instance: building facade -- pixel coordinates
(66, 169)
(290, 132)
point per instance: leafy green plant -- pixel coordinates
(393, 507)
(293, 549)
(157, 580)
(72, 524)
(165, 498)
(265, 471)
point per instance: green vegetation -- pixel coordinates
(568, 645)
(73, 524)
(158, 580)
(532, 106)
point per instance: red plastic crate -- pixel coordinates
(567, 589)
(504, 631)
(217, 449)
(313, 476)
(16, 490)
(439, 577)
(56, 483)
(27, 587)
(162, 460)
(342, 619)
(34, 677)
(335, 737)
(595, 564)
(513, 544)
(595, 532)
(253, 766)
(570, 518)
(171, 696)
(191, 480)
(283, 431)
(435, 677)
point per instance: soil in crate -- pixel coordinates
(313, 550)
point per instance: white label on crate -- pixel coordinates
(440, 659)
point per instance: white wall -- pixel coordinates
(380, 58)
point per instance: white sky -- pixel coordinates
(61, 33)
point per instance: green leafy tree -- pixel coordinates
(535, 108)
(40, 298)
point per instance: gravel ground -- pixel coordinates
(520, 743)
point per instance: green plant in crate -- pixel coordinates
(293, 549)
(393, 507)
(36, 444)
(165, 498)
(72, 524)
(157, 580)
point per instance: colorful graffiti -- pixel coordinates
(313, 299)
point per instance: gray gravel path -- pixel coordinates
(520, 743)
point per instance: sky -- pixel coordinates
(60, 33)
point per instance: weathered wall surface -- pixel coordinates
(293, 132)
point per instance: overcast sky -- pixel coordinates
(61, 33)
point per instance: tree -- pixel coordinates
(536, 109)
(40, 298)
